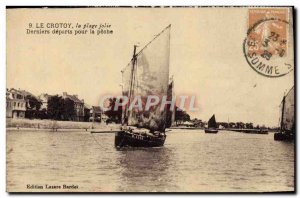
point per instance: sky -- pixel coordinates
(206, 58)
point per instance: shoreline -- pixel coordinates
(21, 129)
(73, 126)
(53, 125)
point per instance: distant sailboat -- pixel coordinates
(146, 74)
(287, 119)
(212, 125)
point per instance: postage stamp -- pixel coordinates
(266, 44)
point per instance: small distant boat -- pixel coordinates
(212, 125)
(287, 120)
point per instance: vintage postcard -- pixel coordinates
(150, 99)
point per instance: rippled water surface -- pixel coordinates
(189, 161)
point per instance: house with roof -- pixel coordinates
(87, 109)
(17, 103)
(44, 100)
(78, 105)
(95, 114)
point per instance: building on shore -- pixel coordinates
(78, 105)
(104, 117)
(95, 114)
(17, 102)
(44, 100)
(87, 109)
(81, 109)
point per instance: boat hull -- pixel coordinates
(252, 131)
(129, 139)
(281, 136)
(211, 130)
(258, 132)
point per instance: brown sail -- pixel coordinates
(148, 74)
(287, 119)
(212, 122)
(288, 112)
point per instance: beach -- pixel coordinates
(37, 124)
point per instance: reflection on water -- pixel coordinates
(145, 167)
(189, 161)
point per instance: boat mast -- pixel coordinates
(282, 113)
(123, 94)
(131, 78)
(228, 122)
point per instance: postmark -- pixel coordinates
(266, 45)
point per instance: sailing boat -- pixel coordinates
(212, 125)
(146, 74)
(287, 120)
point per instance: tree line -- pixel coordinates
(58, 108)
(116, 115)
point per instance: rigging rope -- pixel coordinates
(96, 140)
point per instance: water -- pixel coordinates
(189, 161)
